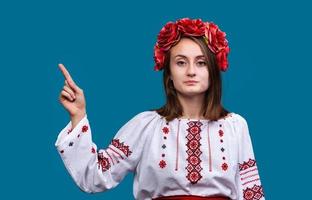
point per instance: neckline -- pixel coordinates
(229, 116)
(193, 119)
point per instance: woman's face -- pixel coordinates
(187, 63)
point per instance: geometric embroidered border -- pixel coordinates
(121, 146)
(248, 164)
(248, 172)
(193, 151)
(254, 193)
(103, 162)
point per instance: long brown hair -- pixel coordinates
(211, 108)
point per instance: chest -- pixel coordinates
(192, 150)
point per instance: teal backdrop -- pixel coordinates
(108, 48)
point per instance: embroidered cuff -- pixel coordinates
(68, 134)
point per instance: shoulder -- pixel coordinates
(146, 114)
(238, 121)
(140, 122)
(145, 117)
(240, 126)
(238, 118)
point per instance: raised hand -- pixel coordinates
(72, 97)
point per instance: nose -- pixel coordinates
(191, 70)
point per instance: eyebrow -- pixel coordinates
(183, 56)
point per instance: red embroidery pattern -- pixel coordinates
(249, 174)
(221, 133)
(103, 162)
(245, 165)
(93, 150)
(193, 151)
(209, 150)
(254, 193)
(121, 146)
(224, 165)
(162, 164)
(165, 130)
(84, 128)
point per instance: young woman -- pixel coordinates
(191, 148)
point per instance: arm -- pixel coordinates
(247, 179)
(96, 170)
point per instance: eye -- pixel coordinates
(181, 63)
(202, 63)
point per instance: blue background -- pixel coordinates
(108, 49)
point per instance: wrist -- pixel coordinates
(75, 119)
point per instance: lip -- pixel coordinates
(191, 82)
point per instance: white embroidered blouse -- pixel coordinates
(180, 157)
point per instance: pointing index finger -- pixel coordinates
(67, 76)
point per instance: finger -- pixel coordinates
(68, 78)
(66, 95)
(70, 91)
(64, 71)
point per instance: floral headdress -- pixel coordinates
(172, 32)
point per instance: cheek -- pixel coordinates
(177, 75)
(178, 81)
(205, 80)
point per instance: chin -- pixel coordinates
(191, 93)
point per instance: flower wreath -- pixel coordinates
(172, 32)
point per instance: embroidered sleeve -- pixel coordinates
(248, 179)
(96, 170)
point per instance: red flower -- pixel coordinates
(216, 38)
(93, 150)
(84, 128)
(191, 27)
(167, 36)
(222, 58)
(159, 58)
(162, 164)
(217, 44)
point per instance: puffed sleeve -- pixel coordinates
(247, 178)
(96, 170)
